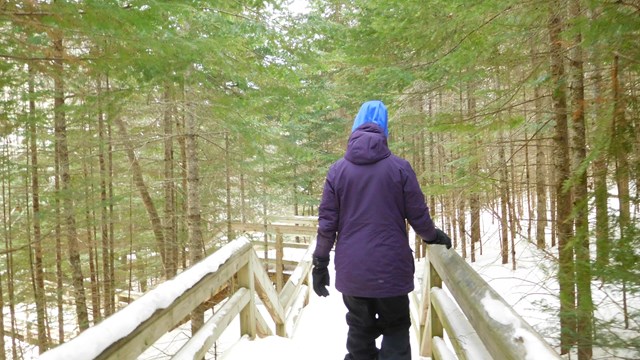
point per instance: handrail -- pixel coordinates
(489, 328)
(130, 331)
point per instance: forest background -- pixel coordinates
(133, 133)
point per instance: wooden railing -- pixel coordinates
(486, 328)
(479, 323)
(130, 331)
(275, 228)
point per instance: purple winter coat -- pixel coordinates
(367, 196)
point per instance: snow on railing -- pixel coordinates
(130, 331)
(487, 327)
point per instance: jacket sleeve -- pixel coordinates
(328, 215)
(416, 209)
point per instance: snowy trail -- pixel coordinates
(321, 335)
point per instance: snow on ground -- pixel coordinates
(321, 334)
(532, 288)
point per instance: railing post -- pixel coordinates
(436, 324)
(424, 317)
(279, 262)
(248, 324)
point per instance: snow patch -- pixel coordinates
(499, 312)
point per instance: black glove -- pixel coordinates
(320, 275)
(442, 238)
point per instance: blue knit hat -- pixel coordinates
(372, 111)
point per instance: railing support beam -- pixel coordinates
(248, 313)
(203, 340)
(462, 335)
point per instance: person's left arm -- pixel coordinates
(328, 215)
(417, 211)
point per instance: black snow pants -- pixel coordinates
(368, 318)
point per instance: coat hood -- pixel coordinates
(367, 145)
(372, 112)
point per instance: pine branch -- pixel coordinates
(464, 38)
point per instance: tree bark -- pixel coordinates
(541, 175)
(194, 216)
(474, 197)
(621, 148)
(3, 356)
(91, 243)
(111, 217)
(58, 236)
(66, 190)
(107, 289)
(38, 285)
(600, 169)
(462, 224)
(512, 196)
(156, 225)
(527, 180)
(227, 172)
(8, 245)
(243, 197)
(182, 226)
(170, 234)
(504, 200)
(584, 310)
(566, 271)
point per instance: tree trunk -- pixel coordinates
(196, 245)
(621, 147)
(58, 235)
(243, 200)
(541, 174)
(600, 168)
(67, 187)
(294, 192)
(91, 243)
(474, 197)
(566, 277)
(38, 285)
(504, 200)
(170, 234)
(111, 237)
(182, 226)
(138, 179)
(7, 202)
(3, 356)
(432, 162)
(462, 224)
(553, 199)
(512, 197)
(227, 172)
(527, 181)
(584, 310)
(104, 216)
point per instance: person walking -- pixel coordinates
(367, 198)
